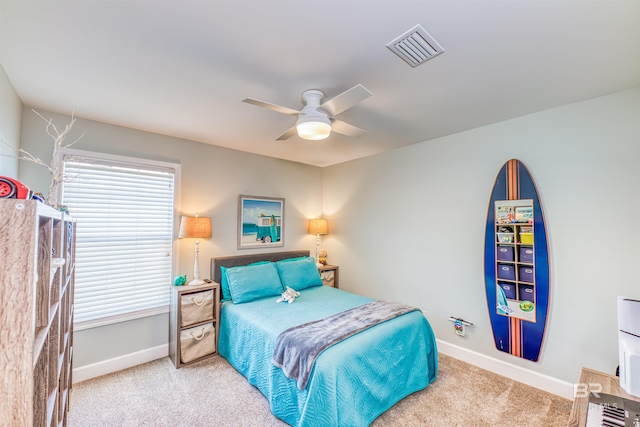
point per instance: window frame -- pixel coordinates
(139, 314)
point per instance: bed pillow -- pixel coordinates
(252, 282)
(224, 283)
(299, 274)
(293, 259)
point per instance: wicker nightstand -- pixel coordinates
(193, 323)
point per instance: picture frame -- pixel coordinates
(260, 222)
(524, 214)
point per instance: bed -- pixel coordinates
(351, 382)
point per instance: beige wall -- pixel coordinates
(408, 225)
(212, 178)
(10, 126)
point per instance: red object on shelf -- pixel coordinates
(13, 189)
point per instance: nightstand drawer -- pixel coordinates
(196, 308)
(197, 342)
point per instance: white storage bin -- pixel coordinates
(328, 278)
(505, 237)
(196, 308)
(197, 342)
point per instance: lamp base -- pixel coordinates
(196, 282)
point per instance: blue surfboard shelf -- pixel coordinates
(516, 263)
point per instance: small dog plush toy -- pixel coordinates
(289, 295)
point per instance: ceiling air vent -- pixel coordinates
(416, 46)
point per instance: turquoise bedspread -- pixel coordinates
(353, 382)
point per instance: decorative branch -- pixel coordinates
(55, 168)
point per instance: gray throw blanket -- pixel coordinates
(297, 348)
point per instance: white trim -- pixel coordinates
(132, 315)
(117, 158)
(119, 363)
(516, 373)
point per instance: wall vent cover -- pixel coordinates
(416, 46)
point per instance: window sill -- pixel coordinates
(104, 321)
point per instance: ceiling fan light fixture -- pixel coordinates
(316, 119)
(313, 128)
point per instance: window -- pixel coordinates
(124, 240)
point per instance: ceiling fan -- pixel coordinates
(316, 120)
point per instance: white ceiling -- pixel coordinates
(182, 68)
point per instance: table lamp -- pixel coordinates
(195, 228)
(318, 226)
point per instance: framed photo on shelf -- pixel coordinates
(524, 214)
(260, 222)
(504, 214)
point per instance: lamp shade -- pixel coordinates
(195, 227)
(318, 226)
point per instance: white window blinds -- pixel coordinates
(124, 236)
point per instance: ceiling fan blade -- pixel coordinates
(288, 134)
(344, 128)
(346, 100)
(274, 107)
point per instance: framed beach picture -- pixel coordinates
(524, 214)
(260, 222)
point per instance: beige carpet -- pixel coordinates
(212, 393)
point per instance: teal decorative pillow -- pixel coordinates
(252, 282)
(224, 283)
(293, 259)
(299, 274)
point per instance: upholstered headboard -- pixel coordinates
(238, 260)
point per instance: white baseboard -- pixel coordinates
(543, 382)
(119, 363)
